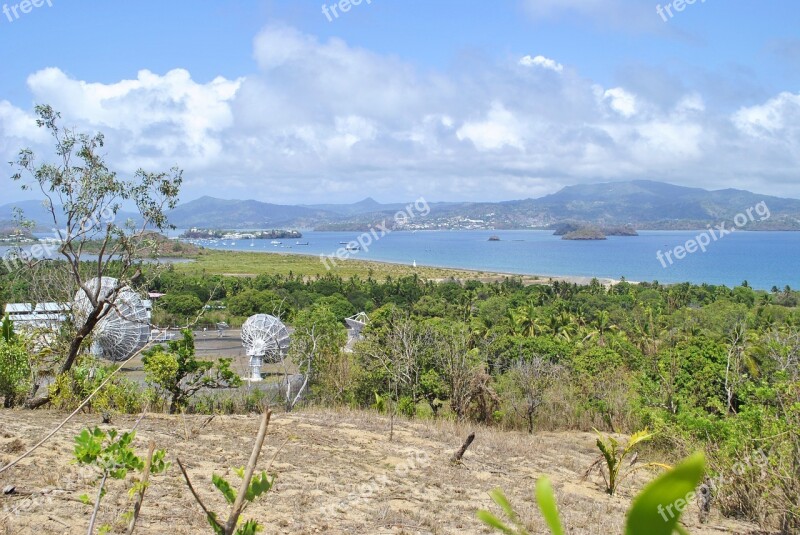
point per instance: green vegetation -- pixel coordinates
(112, 456)
(15, 369)
(209, 262)
(655, 511)
(177, 375)
(703, 367)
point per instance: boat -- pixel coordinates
(353, 248)
(275, 242)
(301, 243)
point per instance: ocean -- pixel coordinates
(763, 259)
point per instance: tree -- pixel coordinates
(528, 380)
(317, 350)
(83, 198)
(181, 304)
(179, 375)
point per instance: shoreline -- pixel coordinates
(457, 273)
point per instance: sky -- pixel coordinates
(310, 101)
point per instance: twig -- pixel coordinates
(137, 506)
(209, 515)
(97, 503)
(238, 505)
(68, 418)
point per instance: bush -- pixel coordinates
(15, 370)
(119, 394)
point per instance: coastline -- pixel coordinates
(309, 265)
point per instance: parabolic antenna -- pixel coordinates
(125, 326)
(265, 338)
(357, 323)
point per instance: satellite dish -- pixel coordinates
(125, 327)
(357, 323)
(266, 338)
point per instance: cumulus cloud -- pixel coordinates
(541, 61)
(322, 120)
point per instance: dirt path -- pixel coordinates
(337, 473)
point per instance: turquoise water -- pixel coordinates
(763, 259)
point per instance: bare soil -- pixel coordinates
(337, 472)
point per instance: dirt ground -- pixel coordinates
(337, 472)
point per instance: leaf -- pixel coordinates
(492, 521)
(224, 487)
(85, 500)
(641, 436)
(259, 486)
(656, 510)
(212, 519)
(547, 505)
(500, 499)
(251, 527)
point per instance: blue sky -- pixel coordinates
(399, 99)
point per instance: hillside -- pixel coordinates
(642, 204)
(337, 473)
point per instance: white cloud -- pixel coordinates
(621, 101)
(541, 61)
(772, 119)
(320, 119)
(500, 129)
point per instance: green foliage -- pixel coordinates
(260, 484)
(614, 457)
(656, 510)
(179, 375)
(15, 369)
(181, 304)
(7, 329)
(120, 394)
(112, 455)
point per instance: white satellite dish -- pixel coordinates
(357, 323)
(265, 338)
(125, 327)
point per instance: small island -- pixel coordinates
(579, 231)
(585, 233)
(215, 234)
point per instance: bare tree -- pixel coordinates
(83, 198)
(530, 379)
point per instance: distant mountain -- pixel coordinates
(367, 206)
(641, 204)
(37, 212)
(209, 212)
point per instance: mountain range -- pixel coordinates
(643, 204)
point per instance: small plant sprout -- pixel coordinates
(111, 454)
(614, 456)
(655, 511)
(250, 489)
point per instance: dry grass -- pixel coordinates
(338, 473)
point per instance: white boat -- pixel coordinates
(275, 242)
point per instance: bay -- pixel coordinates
(763, 259)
